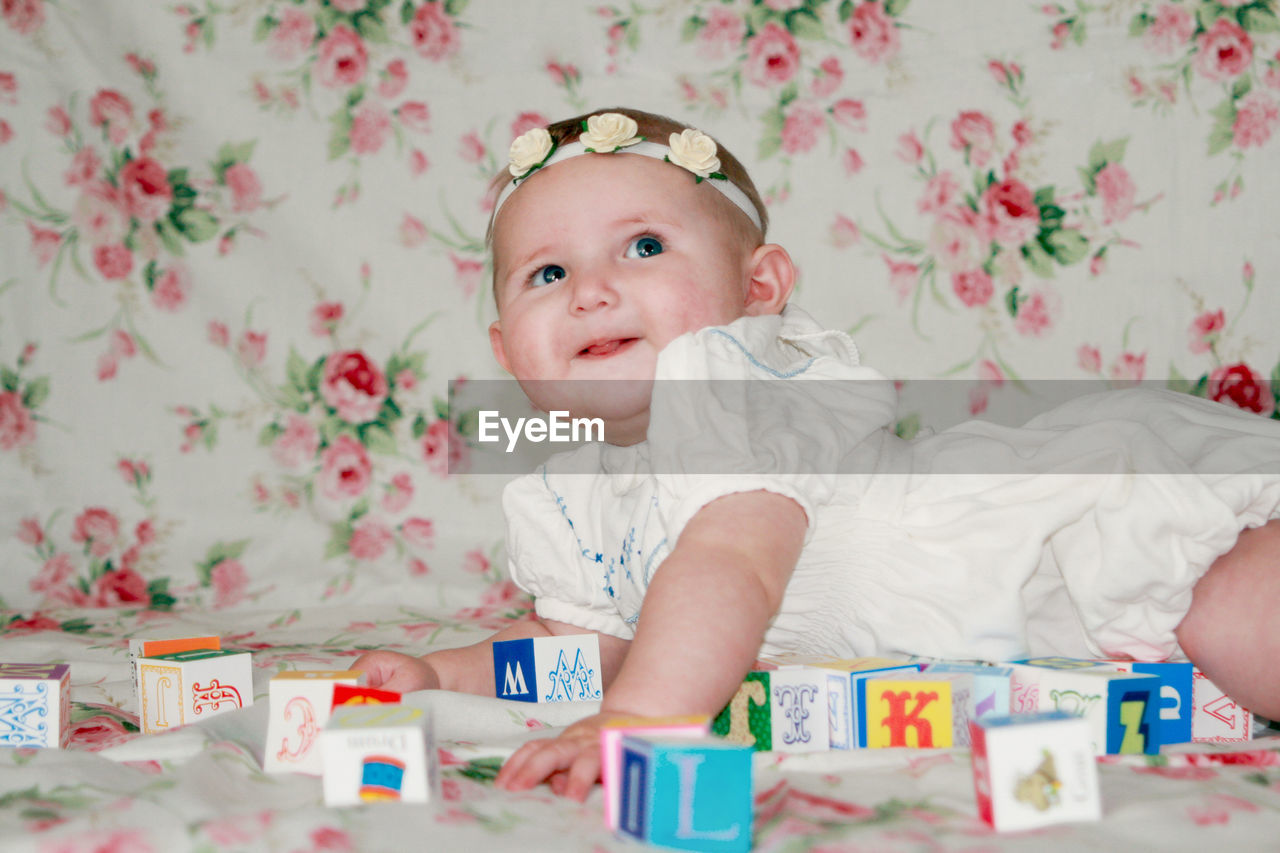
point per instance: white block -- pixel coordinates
(1216, 716)
(301, 702)
(798, 709)
(35, 704)
(548, 669)
(142, 647)
(1032, 770)
(376, 753)
(185, 687)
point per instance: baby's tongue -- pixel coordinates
(602, 349)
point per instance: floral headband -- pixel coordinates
(611, 133)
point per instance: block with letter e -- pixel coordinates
(1032, 770)
(548, 669)
(1122, 708)
(35, 704)
(301, 701)
(185, 687)
(379, 753)
(686, 793)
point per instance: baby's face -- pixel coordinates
(600, 262)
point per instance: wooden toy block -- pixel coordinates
(184, 687)
(798, 715)
(1177, 695)
(1032, 770)
(1122, 709)
(357, 694)
(843, 676)
(913, 710)
(377, 753)
(35, 704)
(990, 686)
(143, 648)
(548, 669)
(689, 794)
(301, 702)
(748, 718)
(611, 735)
(1215, 716)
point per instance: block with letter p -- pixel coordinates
(301, 701)
(35, 704)
(184, 687)
(548, 669)
(379, 753)
(689, 794)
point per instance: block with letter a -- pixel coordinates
(35, 704)
(301, 702)
(1216, 716)
(185, 687)
(548, 669)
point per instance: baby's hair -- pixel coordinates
(655, 128)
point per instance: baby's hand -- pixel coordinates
(570, 763)
(395, 671)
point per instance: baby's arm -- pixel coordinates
(703, 620)
(469, 669)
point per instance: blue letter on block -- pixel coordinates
(513, 674)
(690, 794)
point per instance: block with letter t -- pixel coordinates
(379, 753)
(687, 793)
(1034, 769)
(548, 669)
(301, 701)
(35, 704)
(1122, 708)
(185, 687)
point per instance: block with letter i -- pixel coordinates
(379, 753)
(611, 736)
(35, 704)
(548, 669)
(689, 794)
(301, 702)
(185, 687)
(1032, 770)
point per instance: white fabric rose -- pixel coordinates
(608, 132)
(695, 151)
(529, 150)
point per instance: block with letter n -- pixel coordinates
(548, 669)
(35, 704)
(686, 793)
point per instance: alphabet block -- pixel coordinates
(687, 794)
(1216, 716)
(798, 718)
(346, 694)
(183, 687)
(990, 686)
(748, 718)
(35, 704)
(1177, 695)
(843, 678)
(301, 702)
(148, 648)
(611, 750)
(1122, 708)
(914, 710)
(378, 753)
(548, 669)
(1032, 770)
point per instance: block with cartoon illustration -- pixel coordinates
(35, 704)
(1032, 770)
(185, 687)
(548, 669)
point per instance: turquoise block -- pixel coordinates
(688, 794)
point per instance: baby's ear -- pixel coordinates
(772, 278)
(495, 341)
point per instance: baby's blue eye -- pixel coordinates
(644, 247)
(549, 274)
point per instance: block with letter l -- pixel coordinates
(548, 669)
(689, 794)
(611, 737)
(35, 704)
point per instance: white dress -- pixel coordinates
(1081, 533)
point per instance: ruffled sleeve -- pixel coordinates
(546, 557)
(774, 403)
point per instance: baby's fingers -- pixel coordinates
(534, 763)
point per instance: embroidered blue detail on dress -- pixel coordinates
(757, 363)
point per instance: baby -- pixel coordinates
(628, 250)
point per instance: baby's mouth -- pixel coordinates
(604, 349)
